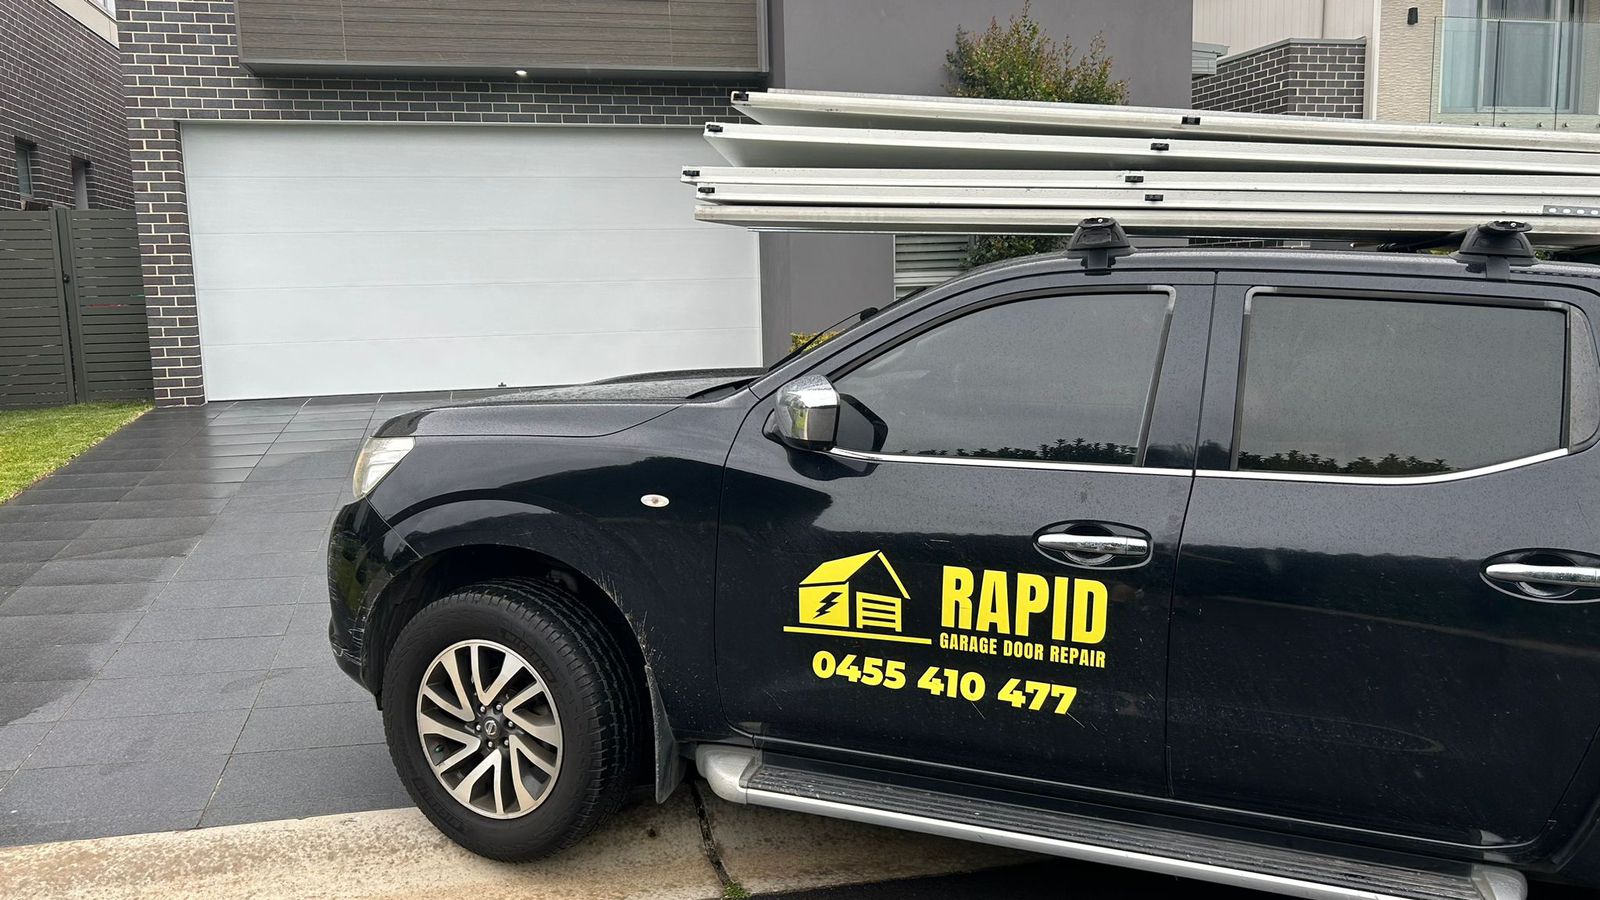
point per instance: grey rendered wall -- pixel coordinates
(810, 281)
(898, 46)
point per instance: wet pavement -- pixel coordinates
(163, 628)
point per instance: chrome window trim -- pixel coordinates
(1440, 478)
(1567, 308)
(863, 456)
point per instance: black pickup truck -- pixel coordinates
(1271, 568)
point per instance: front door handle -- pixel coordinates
(1558, 576)
(1093, 545)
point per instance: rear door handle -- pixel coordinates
(1094, 544)
(1559, 576)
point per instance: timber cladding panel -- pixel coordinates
(600, 36)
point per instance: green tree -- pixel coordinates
(1018, 61)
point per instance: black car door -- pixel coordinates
(906, 594)
(1347, 646)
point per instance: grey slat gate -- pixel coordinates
(72, 322)
(105, 294)
(35, 364)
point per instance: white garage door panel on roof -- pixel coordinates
(358, 259)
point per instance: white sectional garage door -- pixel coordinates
(334, 259)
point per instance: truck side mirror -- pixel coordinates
(807, 413)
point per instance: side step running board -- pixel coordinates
(738, 775)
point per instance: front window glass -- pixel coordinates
(1377, 387)
(1058, 379)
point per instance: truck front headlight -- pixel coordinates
(378, 456)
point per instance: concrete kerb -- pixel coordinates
(647, 851)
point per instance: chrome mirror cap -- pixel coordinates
(807, 413)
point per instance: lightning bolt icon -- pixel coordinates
(829, 602)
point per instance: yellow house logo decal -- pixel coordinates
(855, 596)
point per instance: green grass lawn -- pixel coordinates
(36, 442)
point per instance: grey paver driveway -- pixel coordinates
(163, 628)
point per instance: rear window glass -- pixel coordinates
(1398, 388)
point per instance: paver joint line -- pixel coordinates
(161, 537)
(708, 843)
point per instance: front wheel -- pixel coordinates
(511, 718)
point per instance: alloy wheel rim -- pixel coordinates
(489, 729)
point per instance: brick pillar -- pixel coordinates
(163, 209)
(1290, 77)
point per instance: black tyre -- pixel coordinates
(511, 717)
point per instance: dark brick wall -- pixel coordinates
(60, 89)
(180, 62)
(1292, 77)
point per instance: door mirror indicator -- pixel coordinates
(807, 413)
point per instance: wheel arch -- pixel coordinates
(455, 566)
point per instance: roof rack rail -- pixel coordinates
(1496, 247)
(1098, 241)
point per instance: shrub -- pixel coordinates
(798, 339)
(990, 248)
(1018, 61)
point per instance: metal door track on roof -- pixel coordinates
(897, 111)
(1304, 181)
(1553, 231)
(1520, 206)
(781, 145)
